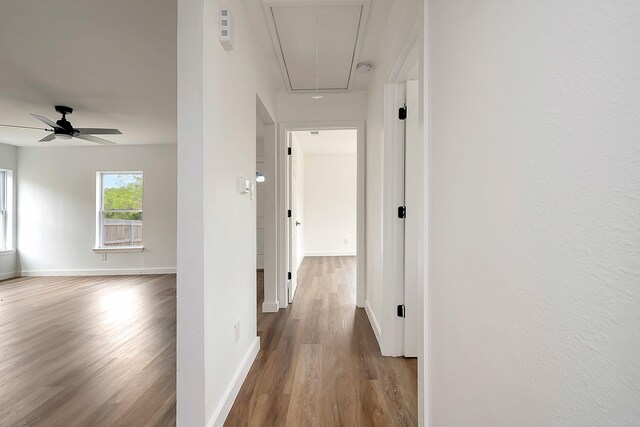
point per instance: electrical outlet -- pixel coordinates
(236, 329)
(104, 256)
(346, 241)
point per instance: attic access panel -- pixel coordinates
(338, 28)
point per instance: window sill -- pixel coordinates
(119, 249)
(7, 252)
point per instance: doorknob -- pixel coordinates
(298, 223)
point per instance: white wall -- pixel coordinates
(260, 202)
(298, 107)
(216, 264)
(57, 209)
(260, 195)
(330, 204)
(8, 260)
(535, 212)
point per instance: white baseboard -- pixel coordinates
(374, 322)
(106, 272)
(347, 253)
(222, 411)
(270, 307)
(5, 276)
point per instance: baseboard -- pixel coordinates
(5, 276)
(374, 322)
(221, 413)
(270, 307)
(347, 253)
(106, 272)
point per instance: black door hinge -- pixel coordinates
(288, 213)
(402, 113)
(402, 211)
(288, 151)
(289, 275)
(400, 310)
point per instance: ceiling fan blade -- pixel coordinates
(98, 131)
(47, 121)
(95, 139)
(48, 138)
(25, 127)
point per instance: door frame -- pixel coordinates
(292, 224)
(283, 256)
(393, 294)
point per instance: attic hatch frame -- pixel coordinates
(269, 5)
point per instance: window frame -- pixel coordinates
(100, 211)
(6, 212)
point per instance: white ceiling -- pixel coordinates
(333, 30)
(113, 61)
(369, 52)
(343, 141)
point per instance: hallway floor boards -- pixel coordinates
(320, 364)
(88, 351)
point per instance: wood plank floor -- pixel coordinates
(320, 364)
(88, 351)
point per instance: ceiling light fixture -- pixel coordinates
(364, 67)
(317, 94)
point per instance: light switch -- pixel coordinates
(243, 185)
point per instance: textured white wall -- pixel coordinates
(330, 204)
(57, 208)
(217, 258)
(8, 160)
(535, 213)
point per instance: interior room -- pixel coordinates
(332, 213)
(88, 213)
(327, 192)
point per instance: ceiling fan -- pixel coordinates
(62, 129)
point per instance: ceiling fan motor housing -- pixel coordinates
(62, 109)
(67, 128)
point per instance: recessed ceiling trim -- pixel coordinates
(280, 51)
(270, 5)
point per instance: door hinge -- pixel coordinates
(402, 211)
(288, 151)
(400, 311)
(288, 213)
(402, 113)
(289, 275)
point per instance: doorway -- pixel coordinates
(403, 197)
(317, 214)
(265, 192)
(323, 195)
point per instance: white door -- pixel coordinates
(292, 224)
(413, 241)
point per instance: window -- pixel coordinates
(6, 208)
(119, 210)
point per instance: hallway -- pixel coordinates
(320, 364)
